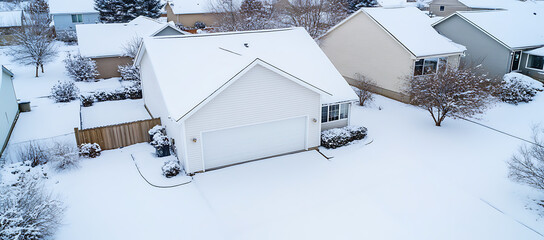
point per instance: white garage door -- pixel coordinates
(240, 144)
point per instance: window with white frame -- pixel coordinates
(334, 112)
(428, 65)
(77, 18)
(535, 62)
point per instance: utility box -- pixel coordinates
(24, 106)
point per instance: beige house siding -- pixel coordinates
(108, 66)
(260, 95)
(361, 46)
(450, 6)
(188, 20)
(154, 102)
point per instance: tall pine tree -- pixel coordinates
(120, 11)
(354, 5)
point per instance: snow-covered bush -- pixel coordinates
(87, 100)
(129, 72)
(518, 88)
(64, 91)
(64, 156)
(160, 140)
(171, 168)
(362, 88)
(200, 25)
(337, 137)
(33, 153)
(80, 68)
(90, 150)
(134, 91)
(157, 129)
(27, 212)
(527, 166)
(69, 37)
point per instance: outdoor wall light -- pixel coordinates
(314, 120)
(194, 139)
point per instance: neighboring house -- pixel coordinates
(379, 44)
(497, 40)
(106, 43)
(242, 96)
(444, 8)
(9, 109)
(69, 13)
(188, 12)
(10, 23)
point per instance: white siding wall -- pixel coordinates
(8, 107)
(155, 103)
(261, 95)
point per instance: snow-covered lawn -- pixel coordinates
(113, 112)
(414, 181)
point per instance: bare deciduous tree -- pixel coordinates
(452, 93)
(363, 88)
(249, 15)
(316, 16)
(34, 43)
(528, 165)
(131, 46)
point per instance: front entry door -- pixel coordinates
(516, 58)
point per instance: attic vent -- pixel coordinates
(534, 13)
(246, 45)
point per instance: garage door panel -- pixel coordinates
(240, 144)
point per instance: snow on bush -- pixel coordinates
(171, 168)
(27, 212)
(200, 25)
(64, 156)
(90, 150)
(80, 68)
(130, 92)
(337, 137)
(87, 100)
(129, 72)
(160, 140)
(157, 129)
(69, 37)
(518, 88)
(134, 91)
(33, 153)
(64, 91)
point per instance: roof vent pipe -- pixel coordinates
(246, 45)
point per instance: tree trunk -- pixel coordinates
(37, 66)
(41, 65)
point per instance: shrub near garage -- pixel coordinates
(171, 168)
(338, 137)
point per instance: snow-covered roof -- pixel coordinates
(11, 18)
(190, 6)
(516, 29)
(12, 6)
(216, 58)
(538, 52)
(411, 27)
(103, 40)
(71, 6)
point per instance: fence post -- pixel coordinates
(76, 133)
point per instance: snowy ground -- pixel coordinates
(113, 112)
(413, 181)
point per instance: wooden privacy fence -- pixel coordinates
(117, 136)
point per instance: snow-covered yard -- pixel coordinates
(413, 181)
(113, 112)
